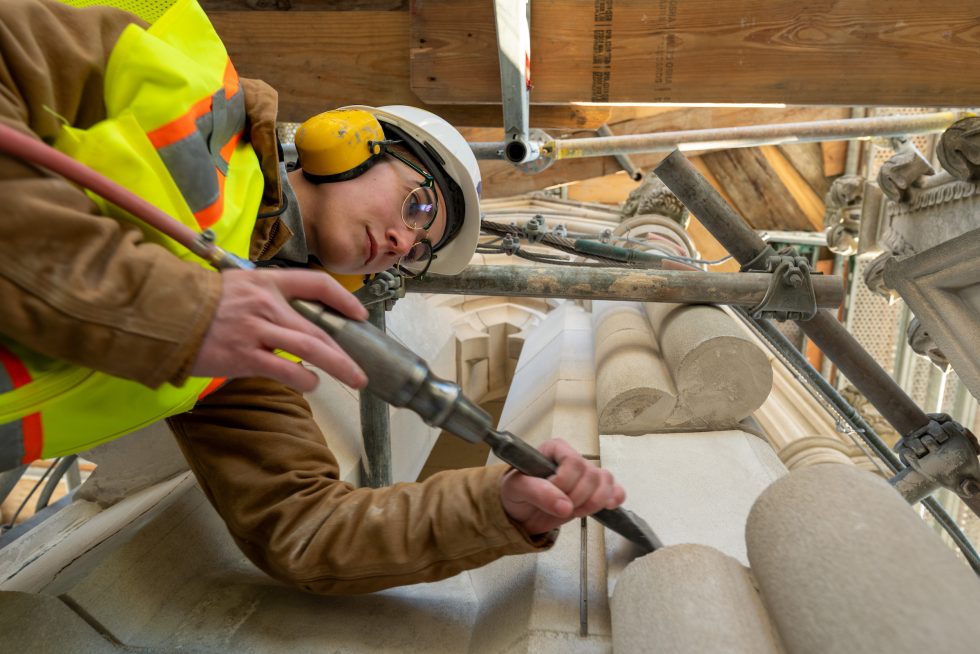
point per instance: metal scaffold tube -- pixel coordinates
(735, 137)
(824, 330)
(685, 287)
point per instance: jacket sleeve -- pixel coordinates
(264, 465)
(74, 285)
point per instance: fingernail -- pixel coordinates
(562, 507)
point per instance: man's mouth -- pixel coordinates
(372, 247)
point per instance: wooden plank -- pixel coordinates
(834, 157)
(869, 52)
(807, 159)
(319, 60)
(755, 189)
(808, 201)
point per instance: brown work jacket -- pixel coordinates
(80, 287)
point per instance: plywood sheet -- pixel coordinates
(862, 52)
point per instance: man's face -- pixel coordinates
(356, 226)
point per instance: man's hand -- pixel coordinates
(578, 489)
(254, 318)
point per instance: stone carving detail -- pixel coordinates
(898, 174)
(842, 219)
(959, 149)
(653, 196)
(922, 344)
(874, 277)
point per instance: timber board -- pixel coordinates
(871, 52)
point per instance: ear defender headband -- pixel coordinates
(342, 144)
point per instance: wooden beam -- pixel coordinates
(756, 190)
(870, 52)
(810, 204)
(319, 60)
(834, 157)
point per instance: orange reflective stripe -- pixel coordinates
(32, 433)
(215, 384)
(15, 368)
(181, 127)
(212, 214)
(231, 80)
(33, 437)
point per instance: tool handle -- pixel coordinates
(531, 462)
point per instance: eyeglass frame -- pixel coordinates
(428, 182)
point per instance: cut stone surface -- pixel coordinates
(689, 599)
(689, 487)
(721, 375)
(845, 565)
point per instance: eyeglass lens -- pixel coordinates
(420, 208)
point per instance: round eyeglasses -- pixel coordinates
(419, 211)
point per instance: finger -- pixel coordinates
(586, 486)
(539, 493)
(571, 469)
(324, 355)
(287, 372)
(601, 497)
(312, 285)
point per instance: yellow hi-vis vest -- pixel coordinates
(172, 135)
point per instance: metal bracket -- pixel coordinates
(384, 287)
(945, 453)
(790, 295)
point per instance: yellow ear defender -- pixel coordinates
(338, 145)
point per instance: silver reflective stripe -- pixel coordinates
(189, 163)
(192, 160)
(11, 445)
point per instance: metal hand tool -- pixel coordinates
(400, 377)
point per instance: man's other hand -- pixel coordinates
(579, 488)
(254, 318)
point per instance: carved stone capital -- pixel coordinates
(898, 174)
(843, 215)
(874, 277)
(959, 149)
(653, 197)
(922, 344)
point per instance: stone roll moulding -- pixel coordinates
(662, 605)
(870, 575)
(634, 390)
(720, 374)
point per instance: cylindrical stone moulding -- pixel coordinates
(845, 565)
(634, 391)
(689, 599)
(719, 373)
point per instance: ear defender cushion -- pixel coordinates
(337, 145)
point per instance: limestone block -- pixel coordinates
(690, 487)
(634, 390)
(689, 599)
(720, 374)
(845, 565)
(40, 623)
(129, 464)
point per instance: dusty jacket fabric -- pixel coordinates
(84, 288)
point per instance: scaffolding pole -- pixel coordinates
(734, 137)
(588, 283)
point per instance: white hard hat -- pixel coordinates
(440, 147)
